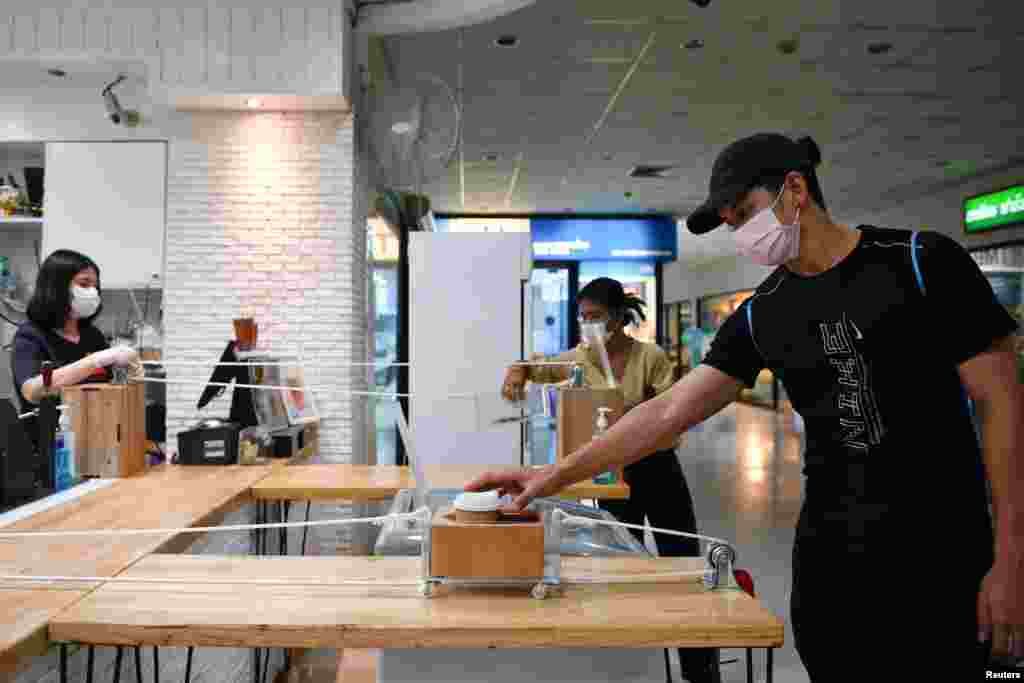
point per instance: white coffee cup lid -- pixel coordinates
(484, 501)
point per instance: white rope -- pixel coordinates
(256, 363)
(28, 414)
(656, 530)
(207, 529)
(623, 578)
(204, 581)
(303, 389)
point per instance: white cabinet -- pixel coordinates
(107, 201)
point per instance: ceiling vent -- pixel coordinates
(659, 171)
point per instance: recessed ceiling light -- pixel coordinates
(506, 41)
(879, 47)
(607, 156)
(59, 73)
(490, 156)
(694, 44)
(253, 103)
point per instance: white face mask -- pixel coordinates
(85, 301)
(766, 241)
(592, 332)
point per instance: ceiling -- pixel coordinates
(595, 87)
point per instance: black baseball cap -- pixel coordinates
(741, 165)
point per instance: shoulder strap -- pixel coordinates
(750, 323)
(917, 265)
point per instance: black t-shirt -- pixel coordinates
(870, 364)
(33, 346)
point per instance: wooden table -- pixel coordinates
(367, 483)
(166, 497)
(309, 606)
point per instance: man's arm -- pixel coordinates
(694, 398)
(991, 380)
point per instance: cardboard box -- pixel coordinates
(512, 548)
(109, 422)
(577, 417)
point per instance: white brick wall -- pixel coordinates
(262, 220)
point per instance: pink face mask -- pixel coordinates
(766, 241)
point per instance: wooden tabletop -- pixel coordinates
(165, 497)
(380, 482)
(25, 611)
(309, 606)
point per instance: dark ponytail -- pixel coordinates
(610, 294)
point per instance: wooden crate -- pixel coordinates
(109, 422)
(512, 548)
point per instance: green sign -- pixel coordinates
(994, 210)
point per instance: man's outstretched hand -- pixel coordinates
(522, 484)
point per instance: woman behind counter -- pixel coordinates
(658, 489)
(59, 328)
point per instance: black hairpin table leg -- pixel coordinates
(63, 663)
(668, 667)
(771, 669)
(188, 665)
(138, 664)
(305, 530)
(91, 662)
(117, 663)
(750, 665)
(156, 664)
(282, 533)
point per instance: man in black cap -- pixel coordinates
(895, 553)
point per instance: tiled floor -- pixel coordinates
(743, 469)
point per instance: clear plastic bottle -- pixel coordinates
(600, 429)
(64, 466)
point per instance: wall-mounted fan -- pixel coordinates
(413, 132)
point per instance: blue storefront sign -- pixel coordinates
(641, 238)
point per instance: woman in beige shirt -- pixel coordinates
(658, 488)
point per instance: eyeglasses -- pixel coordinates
(592, 319)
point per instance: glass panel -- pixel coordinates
(383, 269)
(548, 334)
(549, 311)
(638, 279)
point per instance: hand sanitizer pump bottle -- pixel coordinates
(600, 429)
